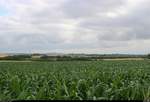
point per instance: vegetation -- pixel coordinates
(148, 56)
(75, 80)
(69, 57)
(16, 57)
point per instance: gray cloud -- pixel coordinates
(75, 25)
(88, 8)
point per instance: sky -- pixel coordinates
(75, 26)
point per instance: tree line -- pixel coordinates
(42, 57)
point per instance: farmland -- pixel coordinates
(75, 80)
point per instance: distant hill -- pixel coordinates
(55, 54)
(3, 55)
(63, 56)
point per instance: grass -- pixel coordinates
(75, 80)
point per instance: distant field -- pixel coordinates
(105, 59)
(75, 80)
(3, 55)
(15, 61)
(125, 59)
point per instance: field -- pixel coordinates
(75, 80)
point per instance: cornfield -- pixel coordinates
(75, 80)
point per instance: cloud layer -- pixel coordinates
(82, 26)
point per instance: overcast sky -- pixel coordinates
(75, 26)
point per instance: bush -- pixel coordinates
(16, 57)
(148, 56)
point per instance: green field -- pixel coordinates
(75, 80)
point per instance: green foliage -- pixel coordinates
(82, 89)
(16, 57)
(148, 56)
(75, 80)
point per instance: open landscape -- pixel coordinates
(75, 80)
(74, 50)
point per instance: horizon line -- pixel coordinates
(72, 53)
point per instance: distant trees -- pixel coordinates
(16, 57)
(148, 56)
(64, 58)
(44, 57)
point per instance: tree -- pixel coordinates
(148, 56)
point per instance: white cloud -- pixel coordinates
(92, 26)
